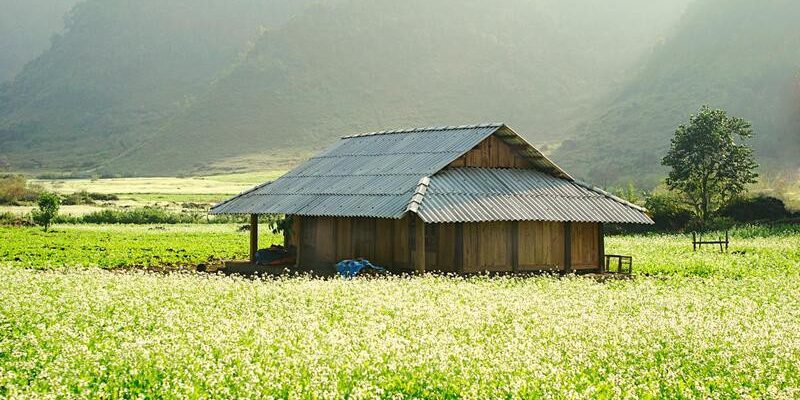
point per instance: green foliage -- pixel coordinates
(47, 211)
(690, 325)
(707, 167)
(11, 219)
(629, 193)
(124, 246)
(756, 208)
(281, 225)
(668, 212)
(14, 189)
(141, 216)
(85, 198)
(149, 215)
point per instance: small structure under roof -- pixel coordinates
(458, 199)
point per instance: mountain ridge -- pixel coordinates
(733, 54)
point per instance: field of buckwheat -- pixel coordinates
(688, 325)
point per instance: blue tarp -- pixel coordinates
(351, 268)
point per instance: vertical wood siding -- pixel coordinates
(585, 245)
(324, 241)
(491, 153)
(468, 247)
(541, 246)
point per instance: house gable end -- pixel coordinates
(507, 149)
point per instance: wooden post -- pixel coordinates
(694, 241)
(567, 246)
(601, 244)
(253, 237)
(459, 247)
(297, 226)
(727, 240)
(515, 246)
(419, 242)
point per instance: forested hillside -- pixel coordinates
(740, 55)
(119, 70)
(377, 64)
(26, 27)
(157, 87)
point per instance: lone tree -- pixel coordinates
(708, 168)
(48, 210)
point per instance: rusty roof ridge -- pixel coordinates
(240, 195)
(610, 196)
(428, 129)
(419, 195)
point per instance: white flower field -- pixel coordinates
(687, 325)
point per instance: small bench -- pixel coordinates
(698, 243)
(624, 264)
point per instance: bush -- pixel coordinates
(77, 199)
(140, 216)
(85, 198)
(12, 219)
(668, 212)
(758, 208)
(48, 210)
(14, 189)
(103, 197)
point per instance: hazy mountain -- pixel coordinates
(26, 27)
(154, 86)
(376, 64)
(120, 68)
(740, 55)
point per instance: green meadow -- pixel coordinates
(80, 318)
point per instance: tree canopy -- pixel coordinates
(707, 167)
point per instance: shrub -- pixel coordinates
(12, 219)
(85, 198)
(48, 210)
(103, 197)
(15, 189)
(668, 212)
(140, 216)
(77, 199)
(757, 208)
(629, 193)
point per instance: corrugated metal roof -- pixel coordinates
(369, 175)
(478, 194)
(387, 174)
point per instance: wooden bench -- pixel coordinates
(698, 242)
(624, 264)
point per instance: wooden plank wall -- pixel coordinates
(487, 247)
(490, 246)
(585, 245)
(327, 240)
(541, 246)
(491, 153)
(440, 247)
(292, 238)
(480, 246)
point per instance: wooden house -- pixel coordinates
(454, 199)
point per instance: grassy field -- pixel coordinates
(191, 194)
(217, 184)
(689, 325)
(123, 246)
